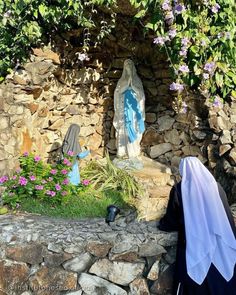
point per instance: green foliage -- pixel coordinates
(207, 25)
(27, 23)
(204, 34)
(38, 180)
(105, 175)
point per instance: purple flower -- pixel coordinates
(26, 154)
(159, 41)
(58, 187)
(185, 41)
(205, 76)
(215, 8)
(184, 69)
(3, 179)
(86, 182)
(217, 102)
(50, 179)
(37, 158)
(64, 193)
(14, 177)
(169, 18)
(43, 181)
(183, 52)
(39, 187)
(209, 67)
(66, 181)
(70, 153)
(166, 5)
(172, 33)
(179, 8)
(184, 108)
(176, 87)
(53, 171)
(64, 171)
(32, 177)
(22, 180)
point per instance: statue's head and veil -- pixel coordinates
(129, 116)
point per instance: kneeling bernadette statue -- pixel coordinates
(129, 106)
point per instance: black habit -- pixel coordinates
(173, 220)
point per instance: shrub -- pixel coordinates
(36, 179)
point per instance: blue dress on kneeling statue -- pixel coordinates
(71, 144)
(74, 175)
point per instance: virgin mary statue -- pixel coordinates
(129, 104)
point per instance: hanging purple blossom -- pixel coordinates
(159, 41)
(215, 8)
(205, 76)
(176, 86)
(166, 5)
(172, 33)
(217, 102)
(183, 52)
(184, 69)
(185, 41)
(179, 8)
(209, 67)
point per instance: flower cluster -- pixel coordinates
(36, 179)
(199, 42)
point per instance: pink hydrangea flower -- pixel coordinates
(32, 177)
(37, 158)
(86, 182)
(39, 187)
(53, 171)
(58, 187)
(66, 181)
(64, 171)
(23, 181)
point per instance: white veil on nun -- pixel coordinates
(209, 236)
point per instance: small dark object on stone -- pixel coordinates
(112, 211)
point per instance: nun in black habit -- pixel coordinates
(71, 145)
(206, 251)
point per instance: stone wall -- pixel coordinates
(87, 257)
(53, 89)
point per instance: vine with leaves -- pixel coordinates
(197, 35)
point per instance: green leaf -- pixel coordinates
(42, 9)
(140, 14)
